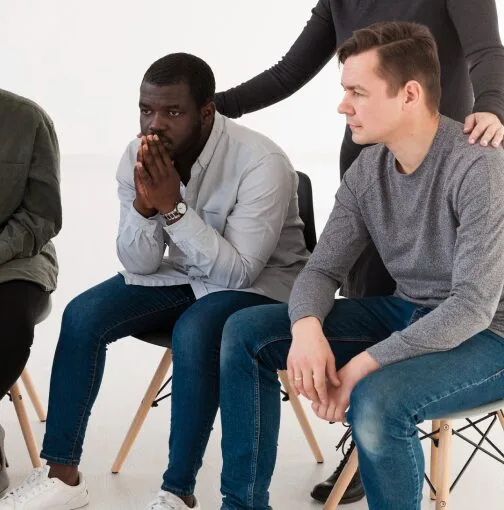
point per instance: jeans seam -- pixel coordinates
(463, 388)
(257, 428)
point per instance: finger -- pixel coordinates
(139, 153)
(308, 386)
(148, 162)
(489, 134)
(498, 137)
(291, 376)
(144, 176)
(332, 374)
(156, 156)
(320, 410)
(163, 153)
(319, 383)
(470, 122)
(478, 131)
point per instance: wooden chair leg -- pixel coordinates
(500, 415)
(443, 486)
(26, 429)
(301, 416)
(343, 481)
(32, 393)
(143, 410)
(434, 460)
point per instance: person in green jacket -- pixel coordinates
(30, 216)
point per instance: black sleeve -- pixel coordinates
(307, 56)
(478, 30)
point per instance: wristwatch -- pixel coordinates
(177, 213)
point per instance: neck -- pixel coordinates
(414, 141)
(185, 162)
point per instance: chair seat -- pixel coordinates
(476, 411)
(159, 337)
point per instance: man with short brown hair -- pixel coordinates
(434, 207)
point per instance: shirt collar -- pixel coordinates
(208, 150)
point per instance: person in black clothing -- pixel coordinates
(472, 81)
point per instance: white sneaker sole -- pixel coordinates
(80, 501)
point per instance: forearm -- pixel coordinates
(308, 55)
(140, 244)
(210, 255)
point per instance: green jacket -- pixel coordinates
(30, 202)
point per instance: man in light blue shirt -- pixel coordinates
(223, 200)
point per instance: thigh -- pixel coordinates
(114, 309)
(351, 326)
(199, 328)
(439, 384)
(21, 302)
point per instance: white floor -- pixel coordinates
(87, 255)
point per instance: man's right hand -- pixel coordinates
(311, 361)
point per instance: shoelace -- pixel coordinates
(26, 486)
(342, 444)
(35, 489)
(162, 503)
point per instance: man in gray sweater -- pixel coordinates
(434, 207)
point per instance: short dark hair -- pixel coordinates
(406, 51)
(184, 68)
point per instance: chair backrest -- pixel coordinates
(305, 199)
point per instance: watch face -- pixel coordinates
(181, 208)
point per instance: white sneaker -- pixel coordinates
(39, 492)
(167, 501)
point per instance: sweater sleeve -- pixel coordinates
(478, 269)
(344, 238)
(307, 56)
(478, 30)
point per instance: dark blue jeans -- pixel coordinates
(385, 407)
(114, 310)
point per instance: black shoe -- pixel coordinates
(354, 491)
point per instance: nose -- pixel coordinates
(156, 124)
(345, 107)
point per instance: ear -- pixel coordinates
(208, 113)
(412, 95)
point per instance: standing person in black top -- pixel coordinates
(472, 80)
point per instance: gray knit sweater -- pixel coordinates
(439, 231)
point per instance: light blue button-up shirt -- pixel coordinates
(242, 228)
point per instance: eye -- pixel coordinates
(174, 114)
(355, 93)
(145, 111)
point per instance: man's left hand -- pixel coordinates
(158, 175)
(485, 127)
(339, 397)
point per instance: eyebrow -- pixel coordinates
(353, 87)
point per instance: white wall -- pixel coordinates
(83, 61)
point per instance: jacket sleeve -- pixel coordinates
(38, 218)
(478, 30)
(308, 55)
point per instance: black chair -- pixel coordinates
(163, 339)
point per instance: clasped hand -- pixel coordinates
(157, 182)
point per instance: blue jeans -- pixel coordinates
(114, 310)
(385, 407)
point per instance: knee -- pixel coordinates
(192, 339)
(370, 415)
